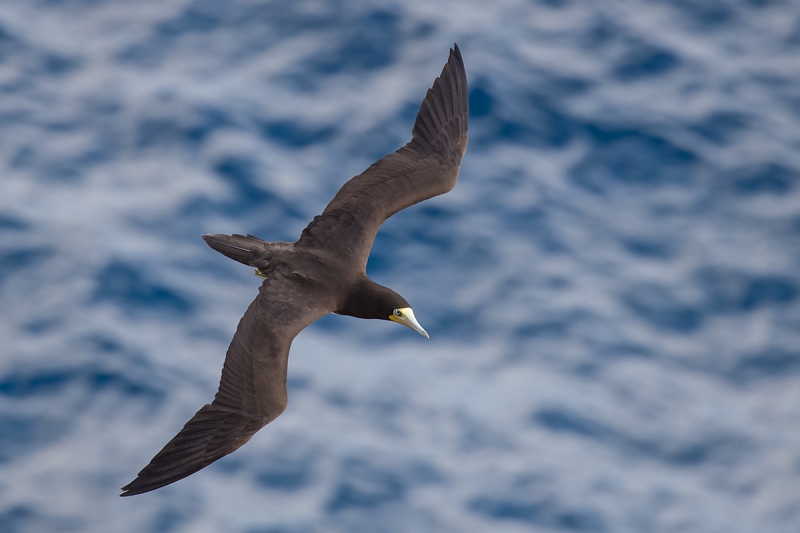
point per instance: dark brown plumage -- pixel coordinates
(323, 272)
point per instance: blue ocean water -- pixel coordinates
(612, 289)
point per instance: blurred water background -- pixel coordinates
(612, 289)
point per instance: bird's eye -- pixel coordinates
(397, 312)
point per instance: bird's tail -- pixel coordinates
(246, 249)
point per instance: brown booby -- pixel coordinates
(323, 272)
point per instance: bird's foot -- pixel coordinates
(260, 274)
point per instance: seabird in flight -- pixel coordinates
(323, 272)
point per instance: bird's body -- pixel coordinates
(323, 272)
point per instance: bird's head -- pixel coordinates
(395, 308)
(367, 299)
(405, 316)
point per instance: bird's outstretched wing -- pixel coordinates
(425, 167)
(252, 390)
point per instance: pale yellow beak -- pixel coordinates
(406, 317)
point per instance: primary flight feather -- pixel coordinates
(323, 272)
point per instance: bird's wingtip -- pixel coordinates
(133, 488)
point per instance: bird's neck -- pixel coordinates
(365, 299)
